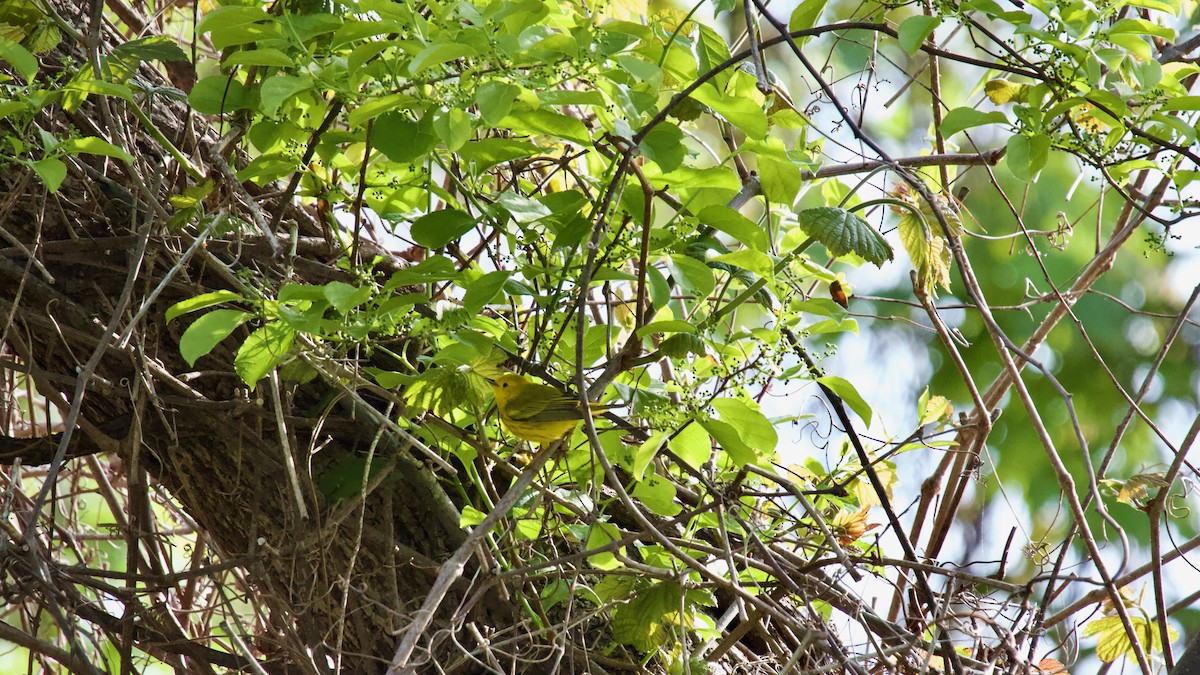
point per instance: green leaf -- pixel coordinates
(262, 351)
(344, 297)
(374, 107)
(1142, 27)
(208, 331)
(345, 478)
(9, 107)
(495, 101)
(806, 14)
(692, 444)
(471, 517)
(735, 225)
(522, 209)
(749, 260)
(1027, 155)
(646, 453)
(454, 126)
(217, 94)
(401, 139)
(741, 112)
(52, 171)
(230, 16)
(153, 48)
(778, 174)
(849, 394)
(438, 53)
(1181, 103)
(435, 268)
(965, 118)
(549, 123)
(93, 146)
(664, 146)
(279, 88)
(666, 326)
(658, 495)
(485, 153)
(730, 441)
(22, 59)
(483, 290)
(842, 232)
(200, 302)
(914, 30)
(260, 57)
(435, 230)
(233, 25)
(682, 345)
(601, 534)
(693, 275)
(300, 292)
(753, 426)
(101, 88)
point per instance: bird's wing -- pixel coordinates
(547, 404)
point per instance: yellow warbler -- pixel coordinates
(536, 412)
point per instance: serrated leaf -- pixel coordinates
(923, 238)
(208, 331)
(928, 252)
(842, 232)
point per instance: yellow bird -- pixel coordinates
(536, 412)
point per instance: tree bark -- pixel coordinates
(339, 585)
